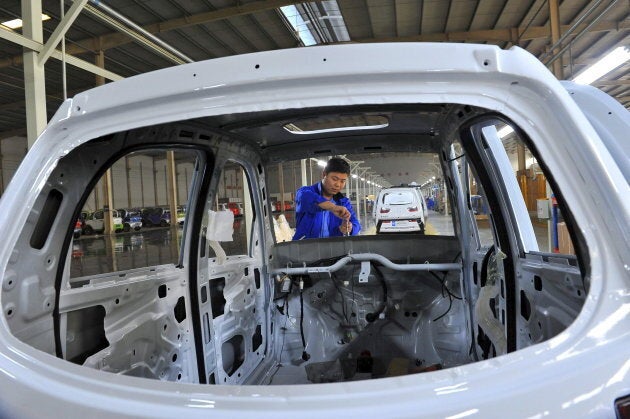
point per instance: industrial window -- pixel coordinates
(231, 213)
(371, 174)
(147, 204)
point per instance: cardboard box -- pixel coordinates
(565, 245)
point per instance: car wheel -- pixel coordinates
(378, 227)
(126, 227)
(163, 223)
(88, 230)
(136, 228)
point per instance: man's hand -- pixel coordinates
(339, 210)
(346, 227)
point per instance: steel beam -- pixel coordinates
(498, 35)
(34, 78)
(36, 47)
(513, 35)
(60, 30)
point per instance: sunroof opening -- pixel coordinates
(337, 123)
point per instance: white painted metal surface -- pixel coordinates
(577, 373)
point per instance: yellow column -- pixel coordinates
(172, 185)
(554, 22)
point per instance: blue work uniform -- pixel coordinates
(313, 222)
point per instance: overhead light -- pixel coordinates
(17, 23)
(603, 66)
(299, 26)
(336, 123)
(354, 176)
(321, 163)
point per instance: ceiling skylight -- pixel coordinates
(17, 23)
(298, 24)
(605, 65)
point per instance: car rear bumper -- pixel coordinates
(385, 226)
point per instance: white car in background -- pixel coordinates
(400, 209)
(389, 325)
(95, 222)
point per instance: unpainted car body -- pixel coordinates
(518, 332)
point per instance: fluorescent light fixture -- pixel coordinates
(321, 163)
(17, 23)
(299, 26)
(335, 123)
(504, 132)
(363, 179)
(289, 127)
(354, 176)
(604, 66)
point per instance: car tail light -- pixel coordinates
(412, 209)
(384, 210)
(622, 407)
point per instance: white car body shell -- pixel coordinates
(399, 210)
(575, 374)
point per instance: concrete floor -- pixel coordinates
(97, 254)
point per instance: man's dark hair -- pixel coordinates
(337, 164)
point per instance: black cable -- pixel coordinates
(451, 296)
(450, 304)
(370, 317)
(333, 278)
(444, 287)
(284, 335)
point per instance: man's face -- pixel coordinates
(333, 182)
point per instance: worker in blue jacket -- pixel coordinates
(321, 210)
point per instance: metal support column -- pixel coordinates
(171, 170)
(128, 179)
(357, 193)
(108, 204)
(281, 184)
(155, 186)
(554, 22)
(141, 184)
(61, 29)
(34, 77)
(303, 172)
